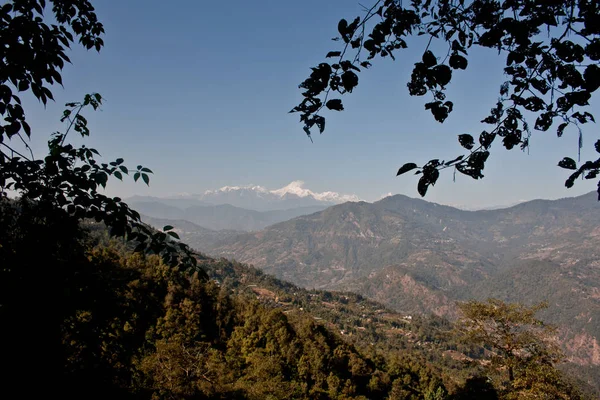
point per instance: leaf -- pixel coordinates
(101, 178)
(429, 59)
(439, 111)
(540, 85)
(428, 178)
(592, 77)
(146, 179)
(26, 128)
(567, 163)
(320, 122)
(167, 228)
(333, 54)
(148, 170)
(504, 89)
(118, 175)
(458, 62)
(406, 167)
(466, 141)
(544, 121)
(443, 74)
(342, 26)
(486, 139)
(597, 146)
(335, 104)
(136, 176)
(561, 129)
(173, 234)
(23, 85)
(349, 81)
(422, 186)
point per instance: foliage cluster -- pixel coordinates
(67, 178)
(552, 52)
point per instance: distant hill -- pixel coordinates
(194, 235)
(421, 257)
(217, 217)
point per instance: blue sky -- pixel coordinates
(199, 92)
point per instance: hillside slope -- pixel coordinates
(417, 256)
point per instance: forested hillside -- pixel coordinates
(129, 326)
(420, 257)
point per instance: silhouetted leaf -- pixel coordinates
(466, 141)
(320, 122)
(592, 77)
(458, 62)
(349, 80)
(422, 186)
(335, 104)
(406, 167)
(173, 234)
(429, 59)
(443, 74)
(486, 139)
(567, 163)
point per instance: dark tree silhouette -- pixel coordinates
(552, 50)
(33, 54)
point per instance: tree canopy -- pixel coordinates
(33, 53)
(552, 52)
(524, 349)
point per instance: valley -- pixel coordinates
(418, 257)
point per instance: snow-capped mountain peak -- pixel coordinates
(228, 189)
(258, 197)
(295, 188)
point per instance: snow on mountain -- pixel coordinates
(229, 189)
(260, 198)
(297, 188)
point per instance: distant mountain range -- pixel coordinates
(257, 198)
(241, 208)
(417, 256)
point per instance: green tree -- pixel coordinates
(552, 51)
(523, 351)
